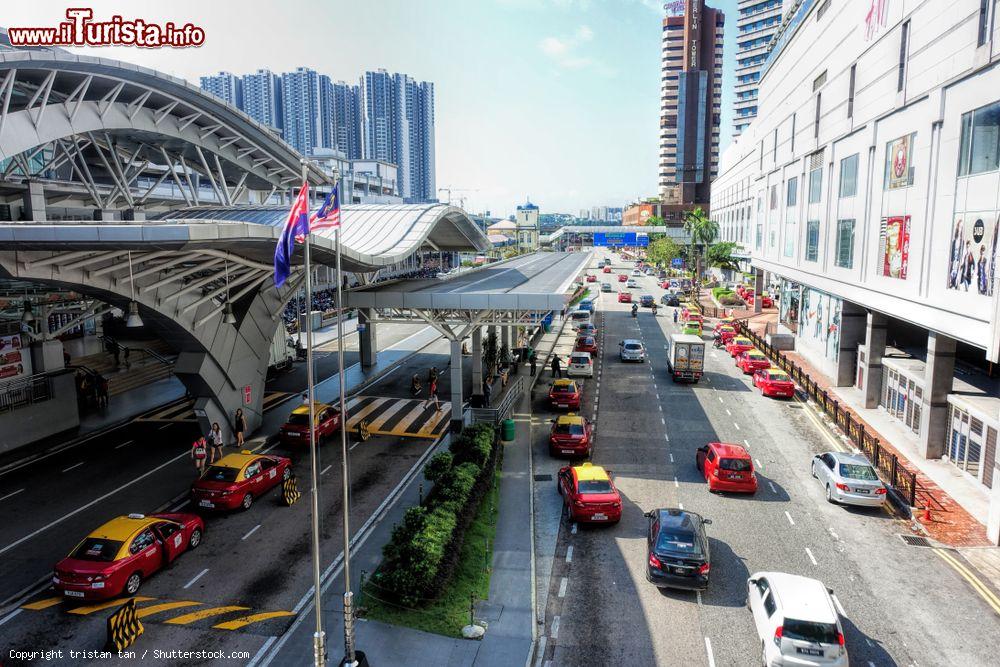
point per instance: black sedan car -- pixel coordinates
(646, 300)
(670, 300)
(677, 553)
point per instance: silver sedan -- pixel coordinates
(849, 479)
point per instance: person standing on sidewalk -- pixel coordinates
(239, 426)
(215, 435)
(556, 366)
(199, 451)
(533, 360)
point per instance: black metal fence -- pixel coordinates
(898, 477)
(25, 391)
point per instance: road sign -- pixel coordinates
(247, 395)
(677, 262)
(600, 239)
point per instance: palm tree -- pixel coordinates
(702, 231)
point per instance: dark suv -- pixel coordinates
(677, 553)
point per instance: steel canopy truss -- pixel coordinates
(457, 324)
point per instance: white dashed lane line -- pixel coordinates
(736, 425)
(75, 465)
(323, 471)
(12, 493)
(671, 458)
(562, 587)
(572, 529)
(676, 483)
(124, 444)
(196, 578)
(773, 490)
(720, 398)
(811, 557)
(759, 466)
(554, 630)
(251, 532)
(569, 554)
(708, 650)
(728, 413)
(789, 517)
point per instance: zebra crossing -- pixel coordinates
(403, 417)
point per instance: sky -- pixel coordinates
(556, 100)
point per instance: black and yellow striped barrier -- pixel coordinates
(290, 491)
(363, 430)
(124, 627)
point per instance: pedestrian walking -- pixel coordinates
(239, 426)
(556, 367)
(487, 393)
(199, 451)
(415, 387)
(675, 316)
(215, 439)
(432, 374)
(533, 360)
(103, 387)
(432, 391)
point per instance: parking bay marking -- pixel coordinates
(569, 554)
(789, 517)
(14, 493)
(811, 557)
(562, 587)
(196, 578)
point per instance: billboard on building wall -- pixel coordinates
(12, 358)
(973, 253)
(820, 322)
(645, 212)
(894, 246)
(899, 162)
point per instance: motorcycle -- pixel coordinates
(635, 311)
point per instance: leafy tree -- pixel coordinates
(654, 221)
(664, 250)
(702, 231)
(721, 255)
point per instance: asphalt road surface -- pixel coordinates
(901, 605)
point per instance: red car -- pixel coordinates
(591, 279)
(565, 393)
(622, 277)
(570, 436)
(664, 284)
(589, 495)
(726, 467)
(236, 480)
(586, 344)
(296, 430)
(766, 302)
(738, 344)
(774, 382)
(607, 269)
(117, 557)
(751, 361)
(624, 297)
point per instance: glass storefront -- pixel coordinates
(972, 445)
(789, 305)
(901, 398)
(820, 322)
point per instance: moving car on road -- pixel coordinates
(622, 277)
(326, 421)
(677, 551)
(117, 557)
(579, 316)
(570, 436)
(632, 284)
(624, 297)
(586, 304)
(647, 301)
(631, 349)
(589, 494)
(586, 329)
(580, 365)
(796, 621)
(774, 382)
(738, 344)
(751, 361)
(586, 344)
(236, 480)
(636, 272)
(849, 479)
(565, 393)
(670, 300)
(605, 287)
(685, 357)
(726, 467)
(591, 278)
(607, 268)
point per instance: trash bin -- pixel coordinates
(546, 327)
(508, 431)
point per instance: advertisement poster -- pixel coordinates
(899, 155)
(820, 323)
(894, 246)
(12, 362)
(972, 253)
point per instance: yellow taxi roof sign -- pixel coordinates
(235, 460)
(563, 382)
(570, 419)
(122, 528)
(590, 472)
(304, 408)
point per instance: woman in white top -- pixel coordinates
(215, 438)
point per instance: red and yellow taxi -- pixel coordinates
(726, 467)
(751, 361)
(622, 277)
(589, 494)
(766, 302)
(725, 332)
(585, 344)
(565, 393)
(738, 344)
(296, 430)
(570, 436)
(236, 480)
(591, 278)
(117, 557)
(607, 269)
(624, 297)
(741, 290)
(774, 382)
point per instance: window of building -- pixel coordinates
(904, 40)
(849, 176)
(759, 237)
(984, 22)
(789, 238)
(845, 244)
(819, 81)
(816, 185)
(774, 197)
(850, 92)
(819, 98)
(980, 145)
(812, 240)
(792, 195)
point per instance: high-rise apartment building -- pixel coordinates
(225, 86)
(345, 109)
(756, 24)
(691, 103)
(300, 109)
(377, 116)
(262, 98)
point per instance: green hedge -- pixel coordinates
(424, 548)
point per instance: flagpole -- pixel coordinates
(349, 657)
(319, 637)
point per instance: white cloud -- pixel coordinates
(554, 46)
(565, 52)
(584, 33)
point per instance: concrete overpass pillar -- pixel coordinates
(367, 338)
(939, 376)
(871, 379)
(758, 289)
(477, 361)
(852, 331)
(456, 386)
(33, 202)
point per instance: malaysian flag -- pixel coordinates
(328, 215)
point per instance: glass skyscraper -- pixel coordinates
(262, 98)
(225, 86)
(756, 23)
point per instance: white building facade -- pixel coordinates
(868, 188)
(756, 23)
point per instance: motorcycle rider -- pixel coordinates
(635, 310)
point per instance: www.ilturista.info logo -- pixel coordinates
(81, 30)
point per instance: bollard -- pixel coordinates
(420, 494)
(927, 511)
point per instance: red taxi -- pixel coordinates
(586, 344)
(116, 558)
(726, 467)
(591, 278)
(622, 277)
(725, 332)
(766, 302)
(774, 382)
(570, 436)
(236, 480)
(589, 495)
(624, 297)
(296, 429)
(606, 269)
(738, 344)
(751, 361)
(565, 393)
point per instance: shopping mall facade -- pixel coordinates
(867, 193)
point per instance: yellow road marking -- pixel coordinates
(244, 621)
(42, 604)
(839, 446)
(166, 606)
(365, 411)
(117, 602)
(973, 580)
(377, 421)
(203, 613)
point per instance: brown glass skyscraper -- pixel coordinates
(691, 104)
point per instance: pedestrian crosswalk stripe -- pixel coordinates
(244, 621)
(357, 415)
(143, 612)
(117, 602)
(404, 417)
(203, 613)
(42, 604)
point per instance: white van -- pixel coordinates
(578, 317)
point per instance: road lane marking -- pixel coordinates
(759, 466)
(168, 425)
(351, 448)
(708, 649)
(42, 604)
(840, 607)
(977, 585)
(572, 529)
(720, 400)
(569, 554)
(124, 444)
(698, 596)
(10, 616)
(676, 483)
(663, 421)
(203, 613)
(197, 577)
(14, 493)
(773, 490)
(660, 407)
(250, 532)
(666, 437)
(562, 587)
(680, 506)
(671, 458)
(835, 536)
(244, 621)
(554, 630)
(657, 397)
(261, 652)
(323, 471)
(143, 612)
(75, 465)
(789, 517)
(746, 442)
(736, 425)
(811, 557)
(117, 602)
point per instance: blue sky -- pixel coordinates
(553, 99)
